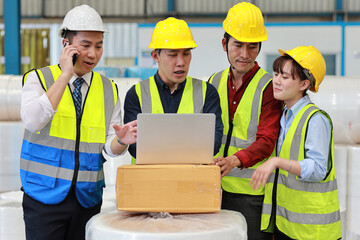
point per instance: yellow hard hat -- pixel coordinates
(312, 61)
(172, 33)
(245, 23)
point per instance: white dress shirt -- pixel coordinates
(36, 110)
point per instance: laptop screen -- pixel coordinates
(175, 138)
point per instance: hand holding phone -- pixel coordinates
(75, 56)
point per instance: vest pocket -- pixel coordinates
(42, 165)
(91, 174)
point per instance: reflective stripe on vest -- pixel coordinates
(192, 99)
(48, 157)
(245, 122)
(304, 210)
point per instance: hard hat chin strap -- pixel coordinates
(309, 76)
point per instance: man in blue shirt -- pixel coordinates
(171, 90)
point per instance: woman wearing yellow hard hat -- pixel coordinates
(250, 114)
(301, 199)
(171, 90)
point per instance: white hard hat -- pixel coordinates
(82, 18)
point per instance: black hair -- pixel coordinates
(227, 38)
(296, 69)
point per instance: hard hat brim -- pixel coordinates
(282, 52)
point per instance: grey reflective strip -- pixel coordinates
(197, 95)
(108, 100)
(44, 139)
(296, 141)
(241, 173)
(145, 96)
(317, 187)
(252, 129)
(224, 139)
(48, 76)
(61, 173)
(308, 218)
(267, 208)
(271, 178)
(240, 143)
(216, 80)
(90, 176)
(295, 144)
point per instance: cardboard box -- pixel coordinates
(169, 188)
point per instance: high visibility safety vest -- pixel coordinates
(241, 132)
(192, 99)
(302, 210)
(67, 152)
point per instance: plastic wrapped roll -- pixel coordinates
(353, 209)
(224, 225)
(10, 97)
(11, 134)
(108, 206)
(13, 196)
(11, 220)
(340, 159)
(340, 98)
(110, 168)
(343, 221)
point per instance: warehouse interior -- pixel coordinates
(29, 39)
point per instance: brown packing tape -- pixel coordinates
(169, 188)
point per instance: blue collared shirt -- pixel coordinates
(314, 166)
(170, 102)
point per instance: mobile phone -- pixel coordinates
(75, 56)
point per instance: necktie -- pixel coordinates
(77, 95)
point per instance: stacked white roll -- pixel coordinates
(16, 196)
(110, 168)
(109, 200)
(340, 98)
(353, 209)
(224, 225)
(11, 134)
(11, 220)
(340, 159)
(10, 97)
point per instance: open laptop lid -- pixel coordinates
(175, 138)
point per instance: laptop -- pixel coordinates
(175, 138)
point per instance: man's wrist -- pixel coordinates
(120, 142)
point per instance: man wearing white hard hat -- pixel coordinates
(72, 116)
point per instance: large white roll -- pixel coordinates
(10, 97)
(16, 196)
(353, 209)
(11, 135)
(343, 222)
(224, 225)
(340, 98)
(11, 220)
(340, 159)
(110, 168)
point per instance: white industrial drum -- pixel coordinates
(224, 225)
(11, 220)
(11, 134)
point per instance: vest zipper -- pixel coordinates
(77, 146)
(228, 139)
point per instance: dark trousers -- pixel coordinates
(63, 221)
(250, 207)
